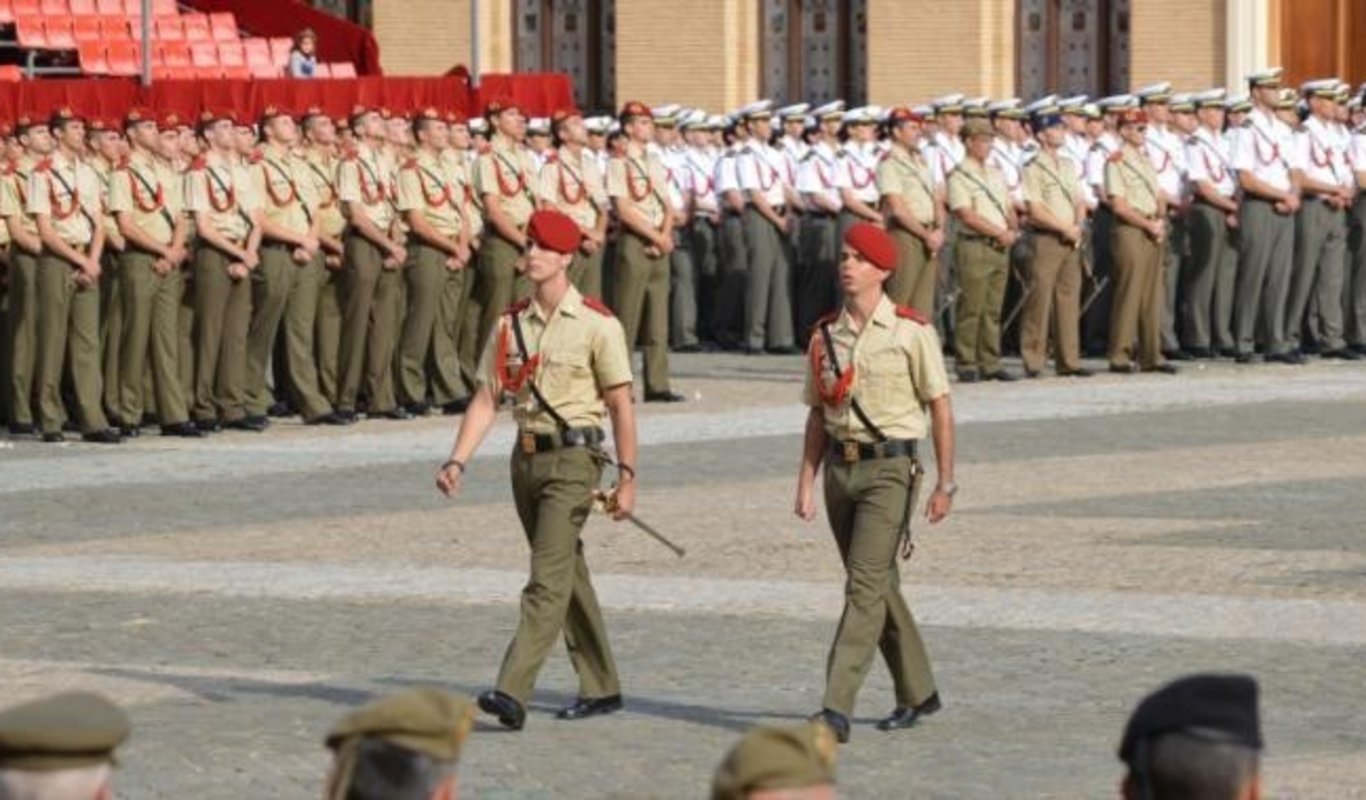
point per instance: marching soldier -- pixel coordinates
(914, 209)
(372, 260)
(636, 182)
(431, 198)
(1261, 154)
(980, 201)
(219, 193)
(64, 197)
(146, 198)
(1057, 213)
(1324, 174)
(287, 286)
(563, 357)
(760, 169)
(107, 152)
(821, 177)
(874, 369)
(505, 177)
(1213, 225)
(320, 158)
(21, 334)
(1140, 209)
(572, 184)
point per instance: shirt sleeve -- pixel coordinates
(196, 191)
(611, 360)
(888, 179)
(959, 196)
(616, 178)
(9, 203)
(250, 189)
(1196, 169)
(409, 189)
(810, 397)
(38, 200)
(120, 190)
(487, 373)
(928, 375)
(348, 181)
(746, 171)
(1031, 185)
(1114, 182)
(1242, 150)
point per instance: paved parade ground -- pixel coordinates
(239, 595)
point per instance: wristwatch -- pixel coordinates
(949, 489)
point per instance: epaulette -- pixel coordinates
(199, 163)
(808, 155)
(825, 320)
(1096, 146)
(906, 312)
(551, 156)
(256, 157)
(43, 165)
(728, 154)
(598, 306)
(1115, 157)
(350, 154)
(518, 307)
(410, 163)
(11, 167)
(841, 153)
(124, 161)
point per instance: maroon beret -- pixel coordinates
(873, 243)
(1132, 116)
(553, 230)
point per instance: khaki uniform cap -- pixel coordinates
(427, 721)
(64, 731)
(777, 758)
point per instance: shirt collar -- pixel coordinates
(884, 315)
(569, 306)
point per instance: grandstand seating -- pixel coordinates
(106, 36)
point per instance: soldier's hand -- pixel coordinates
(805, 506)
(939, 506)
(1231, 219)
(621, 503)
(301, 255)
(666, 246)
(448, 479)
(237, 271)
(332, 262)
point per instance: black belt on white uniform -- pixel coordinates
(848, 451)
(529, 442)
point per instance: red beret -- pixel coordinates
(873, 243)
(498, 105)
(554, 231)
(562, 114)
(902, 114)
(456, 118)
(6, 129)
(634, 109)
(138, 115)
(214, 116)
(1132, 116)
(171, 121)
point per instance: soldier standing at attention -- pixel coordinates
(21, 327)
(64, 198)
(320, 155)
(761, 168)
(874, 369)
(637, 183)
(979, 199)
(820, 179)
(571, 183)
(563, 358)
(373, 258)
(1140, 232)
(1057, 211)
(1212, 225)
(108, 150)
(914, 208)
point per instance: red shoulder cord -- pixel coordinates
(270, 190)
(443, 198)
(759, 160)
(57, 212)
(509, 380)
(831, 395)
(157, 200)
(370, 196)
(229, 197)
(564, 187)
(854, 162)
(503, 187)
(630, 182)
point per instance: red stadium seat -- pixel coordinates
(343, 69)
(25, 8)
(125, 58)
(59, 35)
(55, 8)
(164, 8)
(115, 29)
(257, 51)
(86, 29)
(196, 27)
(175, 54)
(208, 73)
(109, 8)
(91, 56)
(11, 73)
(231, 54)
(322, 71)
(224, 24)
(6, 12)
(168, 29)
(280, 47)
(204, 54)
(30, 33)
(237, 73)
(83, 8)
(266, 70)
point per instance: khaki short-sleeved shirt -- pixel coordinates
(582, 353)
(286, 194)
(105, 172)
(14, 196)
(640, 179)
(149, 190)
(320, 173)
(1051, 181)
(908, 176)
(1129, 174)
(426, 183)
(574, 185)
(508, 171)
(974, 185)
(70, 193)
(363, 178)
(898, 369)
(222, 189)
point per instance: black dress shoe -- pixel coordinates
(1165, 369)
(417, 409)
(664, 397)
(1342, 353)
(280, 409)
(836, 722)
(906, 716)
(330, 418)
(1292, 358)
(968, 376)
(455, 407)
(106, 436)
(1176, 355)
(1245, 358)
(1004, 376)
(509, 712)
(1200, 352)
(348, 415)
(1227, 352)
(22, 429)
(1033, 373)
(1079, 372)
(209, 425)
(70, 426)
(149, 420)
(790, 350)
(53, 437)
(583, 707)
(252, 423)
(185, 430)
(399, 413)
(1122, 369)
(1359, 349)
(129, 431)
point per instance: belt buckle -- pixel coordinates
(528, 440)
(851, 452)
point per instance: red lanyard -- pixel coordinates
(833, 394)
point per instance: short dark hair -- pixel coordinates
(386, 771)
(1186, 766)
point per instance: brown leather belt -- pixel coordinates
(848, 451)
(530, 443)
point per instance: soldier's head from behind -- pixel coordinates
(402, 747)
(779, 763)
(867, 259)
(1198, 738)
(68, 131)
(552, 240)
(60, 748)
(506, 119)
(905, 127)
(431, 131)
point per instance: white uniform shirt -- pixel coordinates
(1105, 146)
(727, 177)
(1168, 156)
(1323, 152)
(794, 150)
(701, 164)
(761, 168)
(1265, 146)
(680, 177)
(822, 173)
(1209, 158)
(860, 169)
(1008, 158)
(1359, 150)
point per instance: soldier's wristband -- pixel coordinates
(454, 463)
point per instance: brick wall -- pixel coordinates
(918, 49)
(428, 37)
(1182, 41)
(701, 53)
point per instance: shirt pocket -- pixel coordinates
(565, 376)
(884, 379)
